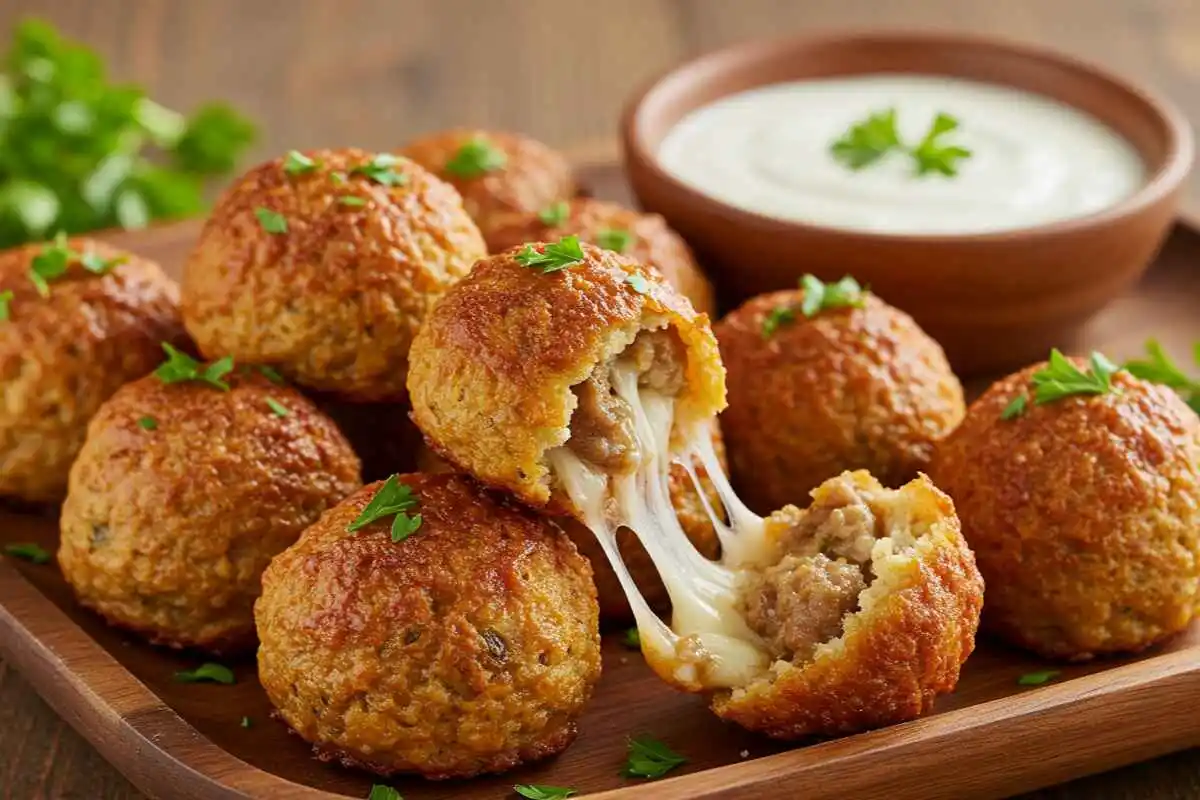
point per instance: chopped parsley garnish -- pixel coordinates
(1061, 378)
(381, 792)
(338, 177)
(271, 221)
(212, 673)
(180, 368)
(870, 139)
(296, 163)
(277, 407)
(5, 299)
(352, 201)
(1158, 367)
(475, 158)
(392, 499)
(380, 170)
(535, 791)
(650, 758)
(818, 296)
(556, 214)
(1037, 678)
(271, 374)
(28, 551)
(632, 639)
(639, 283)
(55, 259)
(553, 257)
(247, 722)
(615, 239)
(148, 423)
(776, 318)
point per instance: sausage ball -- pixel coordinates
(1084, 514)
(181, 496)
(65, 349)
(470, 646)
(857, 387)
(515, 362)
(324, 265)
(643, 237)
(868, 608)
(498, 174)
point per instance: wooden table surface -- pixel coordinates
(375, 72)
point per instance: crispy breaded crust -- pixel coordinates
(166, 531)
(335, 301)
(851, 388)
(1084, 515)
(533, 176)
(62, 356)
(469, 647)
(492, 369)
(652, 242)
(915, 628)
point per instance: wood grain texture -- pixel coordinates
(988, 739)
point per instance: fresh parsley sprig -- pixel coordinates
(1060, 378)
(476, 158)
(553, 257)
(55, 258)
(1158, 367)
(534, 791)
(392, 499)
(818, 296)
(381, 169)
(872, 138)
(650, 758)
(180, 368)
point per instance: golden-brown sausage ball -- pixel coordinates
(65, 353)
(869, 611)
(643, 237)
(498, 174)
(183, 493)
(470, 646)
(326, 267)
(850, 388)
(1084, 514)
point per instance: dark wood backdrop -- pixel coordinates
(376, 72)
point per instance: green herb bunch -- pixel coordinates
(78, 153)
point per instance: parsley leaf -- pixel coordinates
(180, 367)
(553, 257)
(540, 792)
(271, 221)
(1015, 408)
(351, 201)
(868, 141)
(1037, 678)
(380, 170)
(1061, 378)
(392, 499)
(279, 409)
(615, 239)
(632, 639)
(213, 673)
(932, 156)
(819, 296)
(296, 163)
(475, 158)
(1158, 367)
(51, 263)
(28, 551)
(381, 792)
(271, 374)
(556, 214)
(776, 318)
(639, 283)
(247, 722)
(5, 299)
(148, 423)
(650, 758)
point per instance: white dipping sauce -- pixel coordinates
(1034, 160)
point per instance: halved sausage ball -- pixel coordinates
(183, 493)
(324, 265)
(1084, 514)
(469, 646)
(66, 346)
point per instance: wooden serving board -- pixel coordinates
(991, 738)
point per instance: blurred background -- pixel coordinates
(375, 72)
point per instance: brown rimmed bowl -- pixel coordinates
(993, 300)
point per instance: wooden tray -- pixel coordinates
(991, 738)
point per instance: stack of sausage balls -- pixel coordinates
(209, 443)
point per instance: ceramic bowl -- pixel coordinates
(994, 300)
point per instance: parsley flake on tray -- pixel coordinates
(392, 499)
(381, 792)
(29, 552)
(1038, 678)
(534, 791)
(207, 673)
(650, 758)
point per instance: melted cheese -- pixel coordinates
(708, 643)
